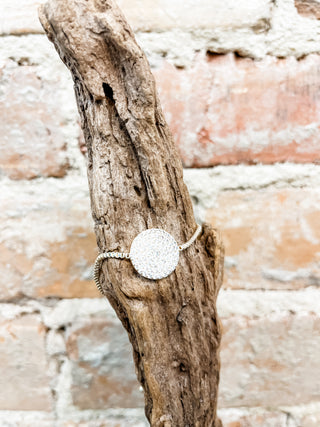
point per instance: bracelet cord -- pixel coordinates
(123, 255)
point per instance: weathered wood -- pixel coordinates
(136, 182)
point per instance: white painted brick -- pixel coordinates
(91, 418)
(68, 311)
(26, 419)
(176, 29)
(18, 17)
(28, 60)
(260, 303)
(207, 183)
(155, 15)
(303, 416)
(55, 344)
(292, 416)
(152, 15)
(285, 33)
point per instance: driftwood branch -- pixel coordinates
(136, 182)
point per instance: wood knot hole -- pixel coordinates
(108, 91)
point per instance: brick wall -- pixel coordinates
(240, 85)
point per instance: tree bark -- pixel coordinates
(136, 182)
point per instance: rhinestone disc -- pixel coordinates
(154, 253)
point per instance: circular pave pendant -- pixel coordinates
(154, 253)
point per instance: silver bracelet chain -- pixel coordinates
(123, 255)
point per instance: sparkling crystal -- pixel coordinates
(154, 253)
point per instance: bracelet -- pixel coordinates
(154, 254)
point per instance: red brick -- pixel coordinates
(102, 367)
(32, 142)
(271, 236)
(228, 110)
(47, 243)
(270, 360)
(25, 381)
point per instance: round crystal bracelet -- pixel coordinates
(154, 254)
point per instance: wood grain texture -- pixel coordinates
(136, 182)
